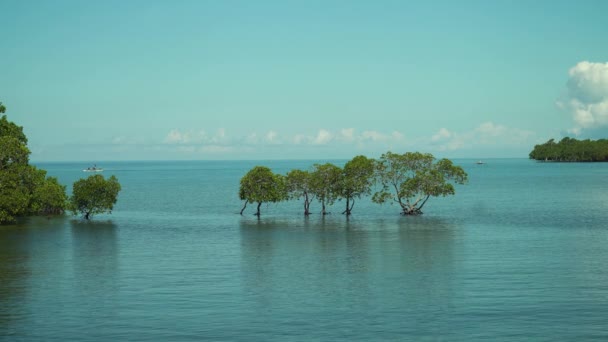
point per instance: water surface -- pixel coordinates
(519, 253)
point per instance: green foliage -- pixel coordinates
(261, 185)
(324, 184)
(49, 197)
(357, 179)
(409, 179)
(14, 195)
(299, 185)
(94, 195)
(24, 189)
(8, 128)
(572, 150)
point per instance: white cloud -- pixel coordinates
(444, 140)
(397, 136)
(347, 135)
(219, 136)
(442, 134)
(272, 137)
(323, 137)
(587, 95)
(490, 129)
(200, 142)
(373, 136)
(174, 137)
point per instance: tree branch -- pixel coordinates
(426, 199)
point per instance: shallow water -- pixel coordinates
(519, 253)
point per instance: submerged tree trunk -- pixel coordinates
(306, 205)
(86, 215)
(349, 207)
(346, 211)
(410, 210)
(323, 212)
(244, 206)
(413, 208)
(258, 212)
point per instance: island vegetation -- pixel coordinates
(26, 190)
(571, 150)
(408, 180)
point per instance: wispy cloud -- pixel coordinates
(441, 135)
(486, 134)
(272, 137)
(176, 136)
(347, 135)
(200, 142)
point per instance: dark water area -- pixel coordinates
(519, 253)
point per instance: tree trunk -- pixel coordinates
(411, 210)
(323, 208)
(348, 207)
(245, 206)
(306, 205)
(86, 215)
(258, 212)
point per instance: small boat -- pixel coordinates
(479, 162)
(93, 168)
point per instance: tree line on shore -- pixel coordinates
(407, 179)
(27, 190)
(571, 150)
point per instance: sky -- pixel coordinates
(221, 80)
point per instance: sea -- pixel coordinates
(519, 253)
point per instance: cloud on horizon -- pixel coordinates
(323, 143)
(486, 134)
(190, 141)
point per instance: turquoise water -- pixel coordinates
(519, 253)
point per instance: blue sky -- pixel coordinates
(142, 80)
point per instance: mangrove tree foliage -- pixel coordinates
(94, 195)
(356, 181)
(24, 189)
(261, 185)
(571, 150)
(299, 185)
(325, 184)
(410, 179)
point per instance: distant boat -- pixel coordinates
(93, 168)
(479, 162)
